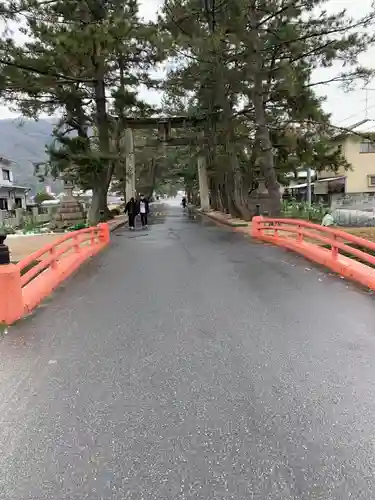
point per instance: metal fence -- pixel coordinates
(350, 217)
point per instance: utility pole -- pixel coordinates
(309, 187)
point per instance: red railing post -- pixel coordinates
(275, 230)
(256, 226)
(104, 234)
(299, 235)
(11, 300)
(53, 257)
(77, 248)
(334, 248)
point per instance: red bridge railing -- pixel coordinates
(25, 284)
(328, 246)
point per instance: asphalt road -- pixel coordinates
(188, 363)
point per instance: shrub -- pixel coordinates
(30, 226)
(7, 230)
(77, 227)
(43, 196)
(300, 210)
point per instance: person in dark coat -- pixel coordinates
(131, 210)
(143, 209)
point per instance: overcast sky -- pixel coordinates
(346, 108)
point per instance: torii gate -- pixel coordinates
(164, 127)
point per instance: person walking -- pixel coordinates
(131, 210)
(143, 210)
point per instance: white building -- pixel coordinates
(11, 195)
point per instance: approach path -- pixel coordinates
(186, 362)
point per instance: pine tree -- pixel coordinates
(86, 57)
(254, 62)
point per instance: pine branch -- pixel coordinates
(63, 78)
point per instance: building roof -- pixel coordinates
(12, 187)
(361, 134)
(298, 186)
(173, 121)
(5, 161)
(328, 179)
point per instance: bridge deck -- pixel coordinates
(188, 363)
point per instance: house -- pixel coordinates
(298, 184)
(11, 195)
(359, 181)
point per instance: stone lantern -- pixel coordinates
(70, 211)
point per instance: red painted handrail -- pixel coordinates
(27, 284)
(49, 255)
(267, 223)
(292, 234)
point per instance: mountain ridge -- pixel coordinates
(24, 143)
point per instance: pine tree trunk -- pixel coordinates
(108, 178)
(267, 159)
(231, 197)
(99, 200)
(223, 194)
(221, 197)
(263, 133)
(214, 198)
(102, 124)
(219, 189)
(241, 195)
(195, 198)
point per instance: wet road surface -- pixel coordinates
(188, 363)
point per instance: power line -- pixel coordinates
(356, 114)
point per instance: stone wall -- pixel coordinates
(355, 201)
(19, 217)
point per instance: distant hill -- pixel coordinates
(24, 143)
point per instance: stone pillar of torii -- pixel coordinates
(164, 127)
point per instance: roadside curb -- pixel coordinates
(116, 224)
(223, 219)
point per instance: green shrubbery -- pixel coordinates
(7, 230)
(30, 226)
(42, 196)
(300, 210)
(77, 227)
